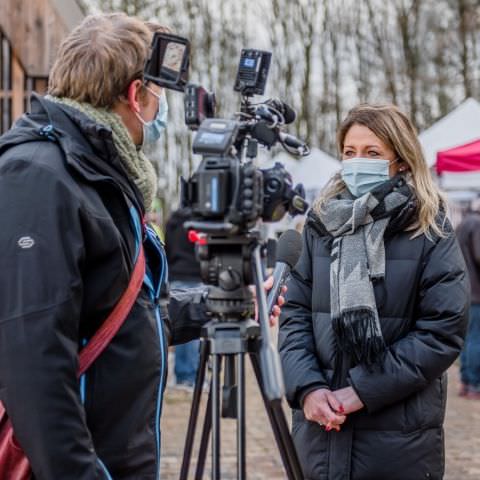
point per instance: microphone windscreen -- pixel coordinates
(289, 247)
(289, 113)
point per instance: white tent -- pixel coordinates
(460, 126)
(316, 170)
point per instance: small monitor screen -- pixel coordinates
(249, 62)
(173, 56)
(211, 138)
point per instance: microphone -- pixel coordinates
(266, 114)
(289, 248)
(293, 142)
(285, 109)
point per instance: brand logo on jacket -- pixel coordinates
(26, 242)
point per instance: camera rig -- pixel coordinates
(227, 193)
(227, 196)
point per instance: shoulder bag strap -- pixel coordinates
(115, 320)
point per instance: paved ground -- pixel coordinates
(462, 430)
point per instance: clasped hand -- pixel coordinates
(330, 409)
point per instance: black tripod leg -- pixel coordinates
(215, 412)
(241, 445)
(207, 428)
(280, 429)
(192, 422)
(271, 418)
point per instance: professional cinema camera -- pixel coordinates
(228, 195)
(227, 192)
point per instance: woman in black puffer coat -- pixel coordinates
(376, 312)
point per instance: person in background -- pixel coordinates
(183, 273)
(468, 233)
(375, 313)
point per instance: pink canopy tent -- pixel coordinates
(465, 158)
(459, 167)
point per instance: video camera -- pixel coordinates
(228, 194)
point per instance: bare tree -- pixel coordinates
(327, 55)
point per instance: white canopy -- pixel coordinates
(316, 170)
(458, 127)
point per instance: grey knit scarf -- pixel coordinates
(136, 164)
(358, 258)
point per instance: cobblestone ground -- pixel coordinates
(462, 432)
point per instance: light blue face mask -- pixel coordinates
(152, 131)
(361, 175)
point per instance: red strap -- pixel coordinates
(115, 320)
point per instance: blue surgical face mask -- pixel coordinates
(152, 131)
(361, 175)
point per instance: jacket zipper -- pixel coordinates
(155, 296)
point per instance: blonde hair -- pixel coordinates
(100, 58)
(396, 131)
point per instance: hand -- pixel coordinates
(349, 399)
(276, 310)
(323, 407)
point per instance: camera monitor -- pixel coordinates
(168, 63)
(252, 72)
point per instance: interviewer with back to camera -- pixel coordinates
(376, 311)
(74, 184)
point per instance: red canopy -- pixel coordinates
(465, 158)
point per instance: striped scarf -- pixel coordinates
(358, 258)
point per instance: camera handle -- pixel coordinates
(230, 341)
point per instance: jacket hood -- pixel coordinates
(88, 146)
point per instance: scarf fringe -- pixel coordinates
(356, 334)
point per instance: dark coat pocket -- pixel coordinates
(426, 408)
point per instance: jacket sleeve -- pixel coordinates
(41, 292)
(435, 339)
(186, 314)
(296, 342)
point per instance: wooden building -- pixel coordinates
(30, 33)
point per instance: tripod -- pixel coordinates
(230, 264)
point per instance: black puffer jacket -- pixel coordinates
(69, 235)
(422, 304)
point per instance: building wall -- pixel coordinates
(16, 85)
(30, 33)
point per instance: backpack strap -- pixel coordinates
(117, 316)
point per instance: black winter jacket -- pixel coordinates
(422, 304)
(69, 235)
